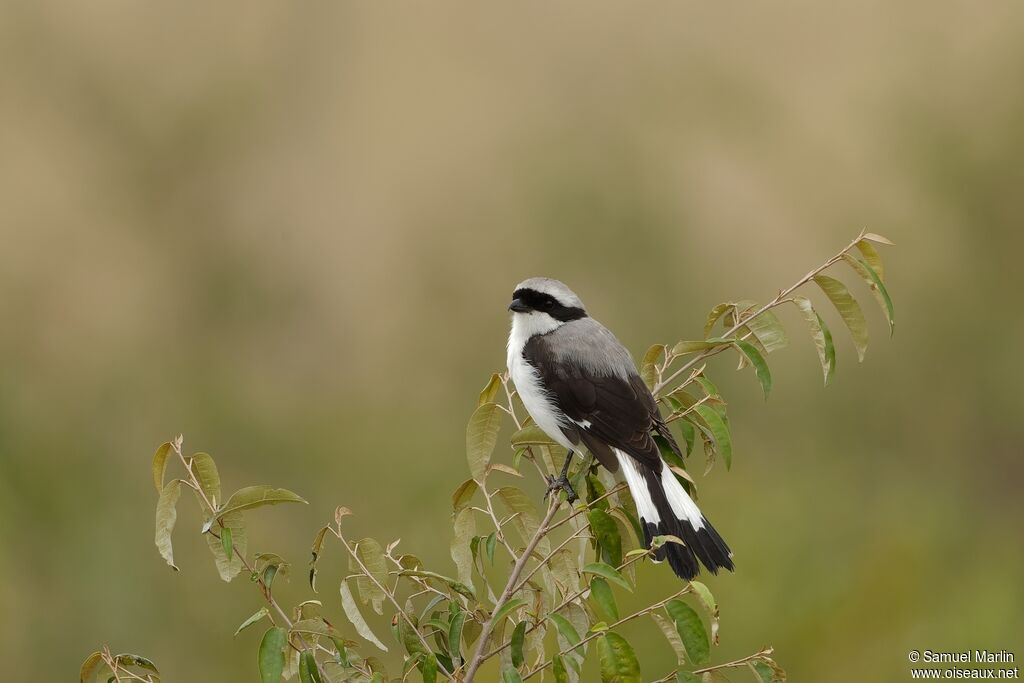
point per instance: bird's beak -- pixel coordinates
(517, 306)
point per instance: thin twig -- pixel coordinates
(779, 299)
(517, 570)
(623, 620)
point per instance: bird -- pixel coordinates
(581, 387)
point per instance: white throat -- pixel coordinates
(526, 325)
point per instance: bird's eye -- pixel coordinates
(548, 303)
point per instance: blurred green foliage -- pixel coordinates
(276, 229)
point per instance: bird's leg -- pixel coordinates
(561, 482)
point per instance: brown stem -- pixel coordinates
(513, 579)
(771, 304)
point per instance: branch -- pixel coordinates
(623, 620)
(779, 299)
(264, 588)
(390, 597)
(513, 579)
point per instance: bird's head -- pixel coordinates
(544, 304)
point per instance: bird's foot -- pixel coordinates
(561, 483)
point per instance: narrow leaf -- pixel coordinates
(271, 655)
(260, 613)
(691, 630)
(566, 628)
(608, 572)
(229, 568)
(256, 496)
(481, 436)
(225, 541)
(455, 634)
(205, 470)
(348, 603)
(668, 628)
(849, 310)
(559, 670)
(166, 516)
(490, 390)
(719, 430)
(874, 237)
(464, 494)
(821, 335)
(371, 554)
(648, 365)
(713, 317)
(874, 283)
(753, 355)
(518, 638)
(618, 661)
(607, 534)
(506, 608)
(872, 257)
(686, 677)
(429, 669)
(531, 435)
(465, 530)
(160, 465)
(308, 673)
(768, 330)
(511, 676)
(602, 594)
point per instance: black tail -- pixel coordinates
(700, 538)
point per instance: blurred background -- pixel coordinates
(290, 232)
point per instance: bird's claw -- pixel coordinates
(561, 483)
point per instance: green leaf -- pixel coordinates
(91, 665)
(481, 435)
(465, 530)
(225, 541)
(463, 495)
(308, 673)
(618, 661)
(527, 522)
(648, 365)
(608, 572)
(160, 465)
(271, 655)
(602, 594)
(166, 516)
(429, 669)
(511, 676)
(607, 534)
(713, 317)
(455, 634)
(762, 671)
(506, 608)
(490, 390)
(490, 545)
(764, 375)
(531, 435)
(558, 669)
(205, 470)
(706, 598)
(348, 604)
(371, 554)
(872, 258)
(259, 614)
(768, 331)
(849, 310)
(456, 586)
(256, 496)
(686, 677)
(691, 630)
(229, 568)
(518, 638)
(719, 430)
(566, 628)
(821, 335)
(318, 546)
(668, 628)
(874, 283)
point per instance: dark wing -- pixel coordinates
(617, 412)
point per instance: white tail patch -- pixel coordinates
(682, 505)
(638, 488)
